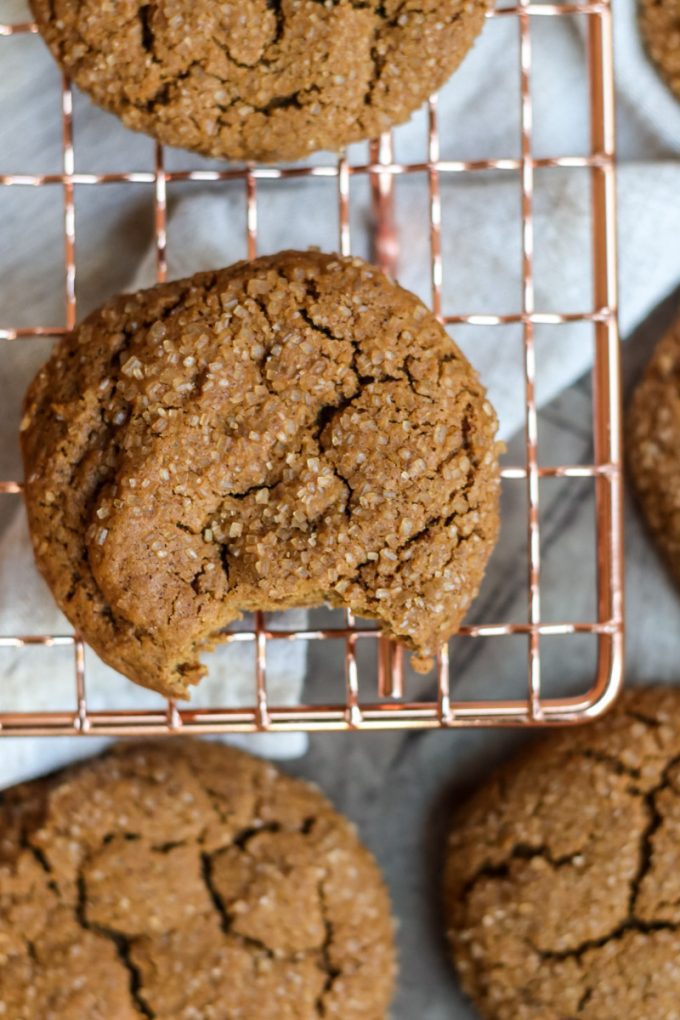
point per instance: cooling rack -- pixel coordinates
(376, 697)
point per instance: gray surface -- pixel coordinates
(400, 788)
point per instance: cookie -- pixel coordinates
(660, 28)
(562, 891)
(187, 881)
(285, 432)
(260, 79)
(653, 429)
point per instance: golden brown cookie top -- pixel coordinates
(660, 27)
(653, 434)
(260, 79)
(562, 893)
(182, 881)
(289, 431)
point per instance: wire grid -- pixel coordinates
(352, 711)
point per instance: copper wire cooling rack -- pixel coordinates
(375, 698)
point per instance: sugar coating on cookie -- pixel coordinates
(653, 435)
(660, 27)
(187, 880)
(260, 79)
(286, 432)
(561, 885)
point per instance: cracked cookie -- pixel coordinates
(654, 446)
(187, 881)
(260, 79)
(660, 28)
(285, 432)
(562, 891)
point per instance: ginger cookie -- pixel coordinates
(561, 890)
(660, 28)
(260, 79)
(286, 432)
(653, 434)
(187, 881)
